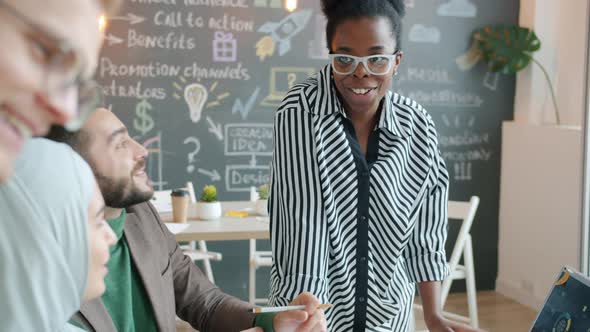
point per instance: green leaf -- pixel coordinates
(507, 49)
(263, 191)
(209, 194)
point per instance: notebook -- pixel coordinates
(567, 307)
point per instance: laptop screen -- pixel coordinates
(567, 307)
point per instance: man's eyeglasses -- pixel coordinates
(58, 81)
(378, 64)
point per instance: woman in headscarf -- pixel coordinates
(54, 242)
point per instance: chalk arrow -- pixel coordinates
(214, 175)
(215, 129)
(132, 18)
(113, 40)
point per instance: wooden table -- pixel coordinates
(226, 228)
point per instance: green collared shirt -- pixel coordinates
(125, 297)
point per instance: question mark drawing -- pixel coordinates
(291, 78)
(191, 156)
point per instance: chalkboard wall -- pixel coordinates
(197, 83)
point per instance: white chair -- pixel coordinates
(257, 259)
(161, 200)
(464, 212)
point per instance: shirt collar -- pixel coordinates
(118, 224)
(391, 115)
(327, 103)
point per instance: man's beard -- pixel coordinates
(121, 193)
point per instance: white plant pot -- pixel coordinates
(208, 211)
(262, 207)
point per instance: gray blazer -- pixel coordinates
(174, 284)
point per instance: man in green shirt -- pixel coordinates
(150, 281)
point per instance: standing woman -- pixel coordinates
(359, 189)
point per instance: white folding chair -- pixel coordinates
(161, 201)
(465, 213)
(257, 259)
(195, 252)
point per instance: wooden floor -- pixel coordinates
(496, 313)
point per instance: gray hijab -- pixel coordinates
(43, 239)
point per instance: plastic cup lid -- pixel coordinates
(179, 192)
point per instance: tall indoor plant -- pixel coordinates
(508, 49)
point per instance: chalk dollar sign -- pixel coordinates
(144, 122)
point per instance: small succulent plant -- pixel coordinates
(263, 191)
(209, 194)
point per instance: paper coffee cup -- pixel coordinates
(180, 200)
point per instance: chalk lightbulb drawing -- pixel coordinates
(195, 96)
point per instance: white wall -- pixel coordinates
(561, 26)
(541, 172)
(540, 208)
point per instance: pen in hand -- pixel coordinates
(260, 310)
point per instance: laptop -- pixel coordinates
(567, 307)
(281, 80)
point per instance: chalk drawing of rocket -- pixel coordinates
(281, 33)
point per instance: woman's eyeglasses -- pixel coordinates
(378, 64)
(58, 80)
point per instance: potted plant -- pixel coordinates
(507, 49)
(531, 196)
(262, 202)
(208, 208)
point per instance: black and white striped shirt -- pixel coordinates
(356, 231)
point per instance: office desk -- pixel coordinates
(226, 228)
